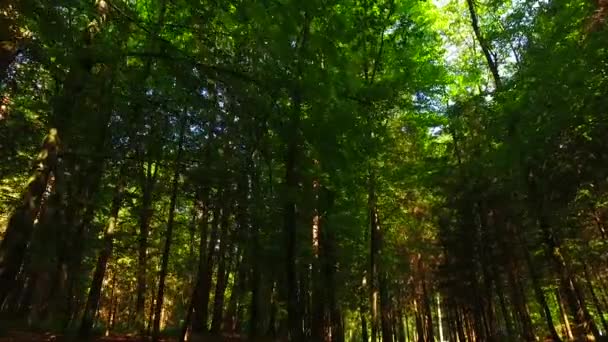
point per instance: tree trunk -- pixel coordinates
(439, 318)
(374, 250)
(222, 272)
(202, 209)
(201, 308)
(386, 310)
(142, 250)
(21, 224)
(540, 296)
(506, 315)
(594, 299)
(169, 235)
(102, 262)
(364, 336)
(568, 282)
(564, 315)
(485, 46)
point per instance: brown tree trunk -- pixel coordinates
(102, 262)
(594, 299)
(506, 315)
(142, 241)
(420, 333)
(222, 272)
(564, 315)
(364, 333)
(540, 296)
(485, 45)
(201, 209)
(169, 236)
(21, 224)
(374, 228)
(201, 306)
(585, 323)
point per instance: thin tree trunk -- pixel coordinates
(594, 299)
(540, 296)
(374, 250)
(201, 307)
(222, 272)
(364, 336)
(564, 315)
(92, 304)
(169, 235)
(485, 46)
(439, 318)
(201, 207)
(506, 315)
(142, 250)
(419, 324)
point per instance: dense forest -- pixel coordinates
(319, 170)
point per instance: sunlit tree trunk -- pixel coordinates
(485, 45)
(563, 315)
(594, 298)
(92, 304)
(21, 224)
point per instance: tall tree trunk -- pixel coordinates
(292, 153)
(506, 315)
(201, 308)
(231, 319)
(21, 224)
(254, 254)
(564, 315)
(420, 333)
(485, 45)
(293, 309)
(594, 299)
(147, 187)
(386, 309)
(222, 272)
(364, 333)
(430, 333)
(540, 296)
(202, 212)
(439, 318)
(142, 244)
(374, 251)
(102, 262)
(169, 236)
(573, 294)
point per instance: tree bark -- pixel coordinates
(564, 315)
(169, 236)
(485, 46)
(594, 299)
(102, 262)
(21, 223)
(201, 308)
(222, 272)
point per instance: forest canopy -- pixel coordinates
(319, 170)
